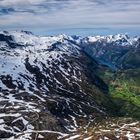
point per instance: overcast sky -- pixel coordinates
(83, 17)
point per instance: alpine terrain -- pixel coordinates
(69, 87)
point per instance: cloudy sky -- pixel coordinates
(83, 17)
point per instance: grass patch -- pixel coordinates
(124, 89)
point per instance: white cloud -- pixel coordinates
(19, 2)
(70, 13)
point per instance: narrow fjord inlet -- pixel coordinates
(69, 70)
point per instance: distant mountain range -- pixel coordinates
(53, 86)
(119, 51)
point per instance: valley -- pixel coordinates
(69, 87)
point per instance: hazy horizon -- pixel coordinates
(72, 17)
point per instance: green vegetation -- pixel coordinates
(130, 59)
(124, 89)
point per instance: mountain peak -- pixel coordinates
(54, 82)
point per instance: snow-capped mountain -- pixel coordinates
(119, 39)
(46, 85)
(49, 86)
(111, 50)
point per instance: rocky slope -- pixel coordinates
(50, 87)
(47, 84)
